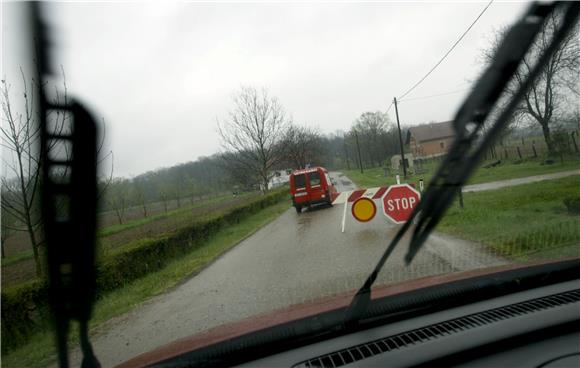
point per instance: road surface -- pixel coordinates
(295, 258)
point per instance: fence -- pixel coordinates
(524, 148)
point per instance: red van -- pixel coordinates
(310, 186)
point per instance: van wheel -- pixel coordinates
(298, 209)
(329, 201)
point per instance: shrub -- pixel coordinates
(573, 205)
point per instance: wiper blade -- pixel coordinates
(69, 204)
(471, 142)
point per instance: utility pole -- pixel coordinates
(358, 150)
(346, 154)
(400, 140)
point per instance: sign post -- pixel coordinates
(344, 212)
(399, 201)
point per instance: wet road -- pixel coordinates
(295, 258)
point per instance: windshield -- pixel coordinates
(207, 111)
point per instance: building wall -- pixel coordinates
(430, 148)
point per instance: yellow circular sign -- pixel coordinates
(364, 209)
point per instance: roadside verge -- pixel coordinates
(239, 224)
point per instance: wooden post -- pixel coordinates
(344, 212)
(534, 149)
(519, 153)
(574, 141)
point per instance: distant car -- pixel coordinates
(311, 186)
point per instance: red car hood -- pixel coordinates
(296, 312)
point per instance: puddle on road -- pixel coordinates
(304, 222)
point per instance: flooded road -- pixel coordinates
(295, 258)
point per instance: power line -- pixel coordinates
(436, 95)
(447, 53)
(389, 108)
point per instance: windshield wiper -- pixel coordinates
(69, 205)
(471, 141)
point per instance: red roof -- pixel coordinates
(431, 131)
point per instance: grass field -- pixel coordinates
(19, 267)
(506, 170)
(184, 210)
(523, 222)
(40, 351)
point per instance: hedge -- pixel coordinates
(25, 308)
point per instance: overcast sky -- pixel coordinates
(160, 74)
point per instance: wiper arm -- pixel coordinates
(69, 205)
(471, 142)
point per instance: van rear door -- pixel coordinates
(300, 191)
(317, 186)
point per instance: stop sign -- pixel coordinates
(399, 202)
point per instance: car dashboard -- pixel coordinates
(533, 328)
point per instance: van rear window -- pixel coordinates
(314, 178)
(300, 181)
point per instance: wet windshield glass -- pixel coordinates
(211, 115)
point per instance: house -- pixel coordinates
(279, 178)
(433, 139)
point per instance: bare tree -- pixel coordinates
(6, 230)
(371, 127)
(141, 198)
(544, 99)
(301, 145)
(253, 132)
(192, 185)
(20, 134)
(118, 197)
(574, 118)
(164, 194)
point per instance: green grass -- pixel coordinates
(39, 352)
(375, 177)
(513, 170)
(523, 222)
(18, 257)
(114, 229)
(507, 170)
(180, 214)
